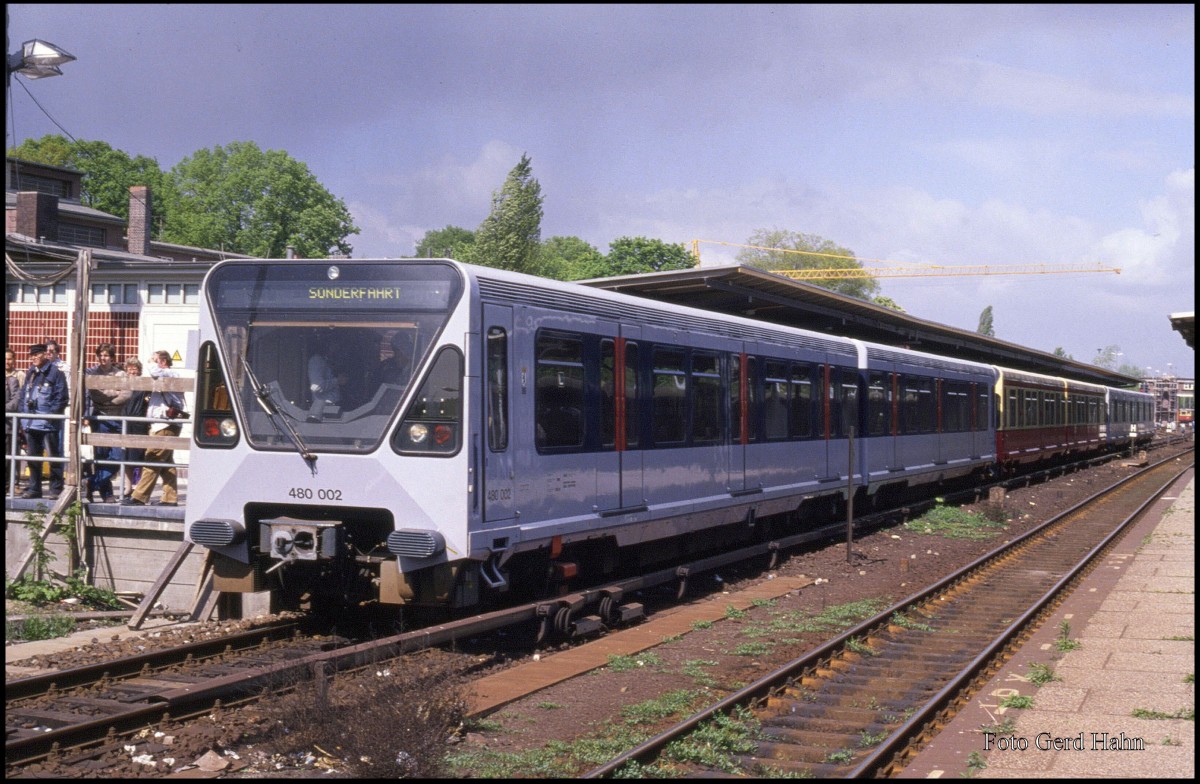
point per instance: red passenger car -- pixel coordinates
(1043, 417)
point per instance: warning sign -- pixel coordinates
(175, 357)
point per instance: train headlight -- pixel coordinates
(417, 433)
(229, 428)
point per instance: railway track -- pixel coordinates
(125, 694)
(860, 704)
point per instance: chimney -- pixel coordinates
(138, 232)
(37, 215)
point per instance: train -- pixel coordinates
(430, 434)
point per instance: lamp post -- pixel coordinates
(37, 59)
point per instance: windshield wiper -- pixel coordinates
(263, 393)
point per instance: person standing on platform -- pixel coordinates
(44, 392)
(160, 404)
(13, 381)
(101, 404)
(136, 406)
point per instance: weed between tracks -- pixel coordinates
(386, 721)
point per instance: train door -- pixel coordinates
(740, 389)
(499, 476)
(629, 419)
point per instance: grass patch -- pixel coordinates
(1017, 701)
(39, 627)
(1187, 714)
(1041, 674)
(626, 663)
(954, 523)
(560, 759)
(1063, 641)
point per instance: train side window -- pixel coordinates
(559, 392)
(735, 398)
(754, 403)
(633, 402)
(775, 400)
(708, 399)
(668, 413)
(801, 402)
(982, 396)
(956, 407)
(845, 402)
(608, 394)
(497, 389)
(878, 404)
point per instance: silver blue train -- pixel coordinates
(429, 433)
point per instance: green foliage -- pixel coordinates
(634, 255)
(243, 199)
(815, 252)
(1187, 714)
(570, 258)
(39, 627)
(716, 742)
(42, 593)
(985, 323)
(444, 243)
(1041, 674)
(108, 173)
(510, 236)
(618, 663)
(1063, 641)
(236, 198)
(1017, 701)
(954, 523)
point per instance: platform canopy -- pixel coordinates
(754, 293)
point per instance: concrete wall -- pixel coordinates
(125, 553)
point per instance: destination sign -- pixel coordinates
(302, 287)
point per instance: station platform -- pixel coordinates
(1123, 702)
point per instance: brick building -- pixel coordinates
(143, 295)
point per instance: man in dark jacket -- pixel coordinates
(44, 392)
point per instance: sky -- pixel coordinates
(957, 135)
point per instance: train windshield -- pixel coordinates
(331, 347)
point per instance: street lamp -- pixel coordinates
(37, 60)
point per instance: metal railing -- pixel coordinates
(75, 440)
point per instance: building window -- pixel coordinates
(156, 294)
(76, 234)
(32, 182)
(114, 294)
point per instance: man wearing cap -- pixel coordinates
(44, 392)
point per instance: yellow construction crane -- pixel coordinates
(916, 271)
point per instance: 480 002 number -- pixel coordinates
(321, 494)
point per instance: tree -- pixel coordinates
(1107, 357)
(510, 236)
(1061, 353)
(633, 255)
(108, 173)
(888, 302)
(444, 243)
(985, 323)
(779, 249)
(243, 199)
(570, 258)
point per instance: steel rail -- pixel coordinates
(763, 687)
